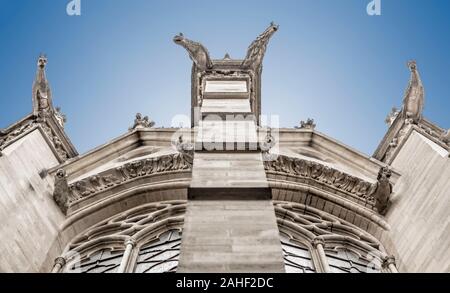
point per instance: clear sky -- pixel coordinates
(329, 61)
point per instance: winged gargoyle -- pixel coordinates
(414, 97)
(42, 94)
(197, 52)
(257, 49)
(382, 190)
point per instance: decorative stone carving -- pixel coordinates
(257, 49)
(445, 137)
(389, 260)
(140, 122)
(392, 116)
(318, 241)
(382, 190)
(60, 117)
(186, 149)
(320, 173)
(130, 171)
(16, 132)
(309, 124)
(197, 52)
(269, 142)
(61, 193)
(413, 101)
(42, 95)
(61, 261)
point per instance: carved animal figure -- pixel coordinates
(257, 49)
(61, 192)
(382, 190)
(42, 96)
(414, 97)
(197, 52)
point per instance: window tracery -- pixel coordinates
(335, 245)
(143, 239)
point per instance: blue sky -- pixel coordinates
(329, 61)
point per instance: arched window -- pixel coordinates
(346, 261)
(102, 261)
(297, 257)
(145, 239)
(315, 241)
(160, 255)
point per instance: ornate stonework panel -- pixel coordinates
(325, 175)
(92, 185)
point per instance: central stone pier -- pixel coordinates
(230, 223)
(230, 236)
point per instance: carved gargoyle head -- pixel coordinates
(412, 65)
(273, 27)
(384, 173)
(60, 174)
(42, 61)
(197, 52)
(178, 39)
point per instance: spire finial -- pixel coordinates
(227, 57)
(413, 102)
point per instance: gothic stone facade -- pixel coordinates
(203, 199)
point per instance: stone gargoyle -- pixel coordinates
(414, 97)
(61, 193)
(381, 191)
(197, 52)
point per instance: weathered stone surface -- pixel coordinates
(220, 170)
(30, 218)
(419, 214)
(230, 236)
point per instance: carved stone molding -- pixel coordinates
(320, 173)
(26, 127)
(128, 172)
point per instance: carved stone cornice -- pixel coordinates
(323, 174)
(130, 171)
(399, 132)
(53, 133)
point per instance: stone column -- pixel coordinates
(389, 262)
(60, 262)
(319, 244)
(129, 245)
